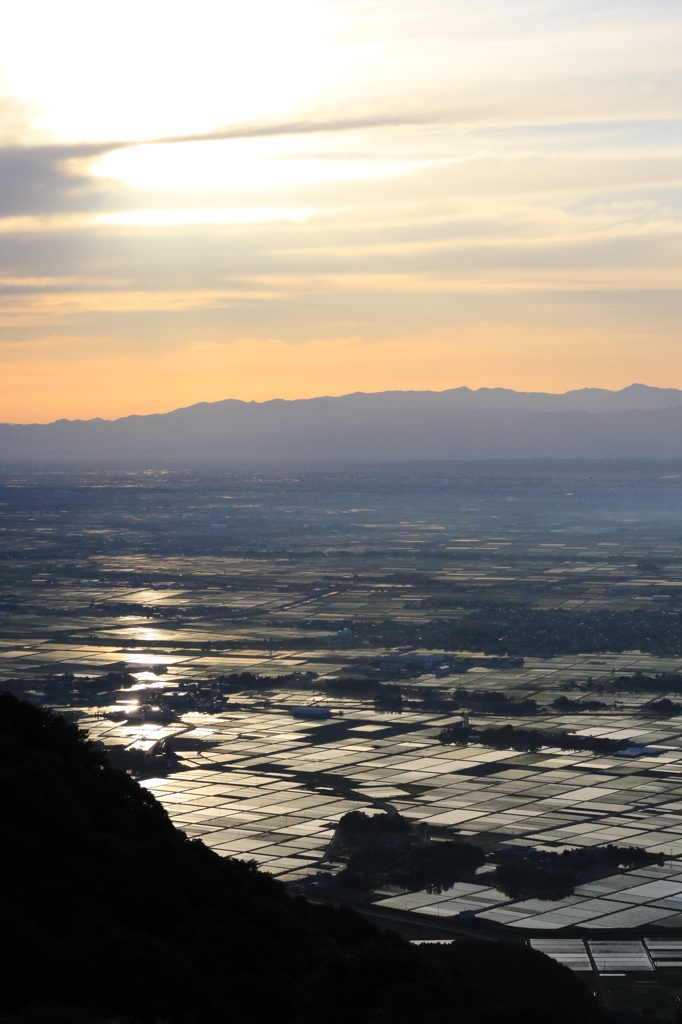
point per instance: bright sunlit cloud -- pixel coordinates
(176, 218)
(241, 164)
(141, 69)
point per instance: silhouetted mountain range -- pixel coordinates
(637, 422)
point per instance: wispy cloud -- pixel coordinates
(39, 179)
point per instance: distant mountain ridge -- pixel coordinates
(489, 423)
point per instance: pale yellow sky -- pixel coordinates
(348, 196)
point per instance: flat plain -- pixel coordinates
(271, 650)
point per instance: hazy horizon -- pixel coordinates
(640, 393)
(637, 422)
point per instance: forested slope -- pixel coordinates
(111, 912)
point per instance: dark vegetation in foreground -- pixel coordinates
(522, 630)
(663, 682)
(508, 737)
(525, 872)
(387, 849)
(112, 912)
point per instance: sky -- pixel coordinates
(228, 200)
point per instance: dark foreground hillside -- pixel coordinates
(109, 913)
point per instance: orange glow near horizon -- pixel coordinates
(142, 383)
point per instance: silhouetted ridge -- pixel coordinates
(110, 910)
(491, 423)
